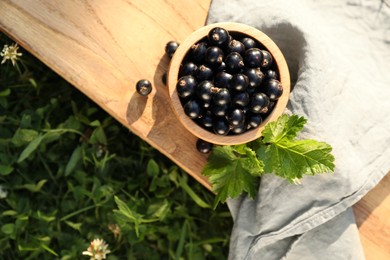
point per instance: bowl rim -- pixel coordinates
(173, 74)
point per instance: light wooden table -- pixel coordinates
(103, 49)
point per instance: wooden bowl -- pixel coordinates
(173, 73)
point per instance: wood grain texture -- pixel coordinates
(103, 49)
(233, 28)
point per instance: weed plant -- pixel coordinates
(70, 173)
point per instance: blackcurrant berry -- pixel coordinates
(185, 86)
(188, 68)
(235, 46)
(207, 119)
(259, 103)
(204, 90)
(221, 126)
(241, 128)
(253, 120)
(239, 82)
(234, 62)
(241, 99)
(273, 89)
(271, 74)
(235, 117)
(249, 43)
(192, 109)
(267, 59)
(222, 97)
(214, 56)
(222, 79)
(221, 67)
(144, 87)
(203, 146)
(198, 51)
(255, 77)
(204, 73)
(170, 48)
(218, 36)
(219, 110)
(253, 58)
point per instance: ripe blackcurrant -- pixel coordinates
(203, 146)
(235, 117)
(222, 97)
(192, 109)
(219, 110)
(253, 120)
(241, 99)
(255, 77)
(221, 126)
(271, 74)
(273, 89)
(170, 48)
(204, 90)
(144, 87)
(235, 46)
(239, 82)
(259, 103)
(214, 56)
(241, 128)
(253, 58)
(234, 62)
(188, 68)
(207, 119)
(204, 73)
(267, 59)
(222, 79)
(198, 51)
(218, 36)
(248, 43)
(185, 86)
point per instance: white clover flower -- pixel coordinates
(97, 250)
(3, 192)
(10, 53)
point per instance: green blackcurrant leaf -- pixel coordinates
(291, 159)
(232, 173)
(285, 127)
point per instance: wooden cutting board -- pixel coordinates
(103, 49)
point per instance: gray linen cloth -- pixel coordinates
(338, 54)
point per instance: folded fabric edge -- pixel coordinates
(320, 217)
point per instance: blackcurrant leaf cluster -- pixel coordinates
(233, 170)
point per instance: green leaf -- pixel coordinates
(23, 136)
(5, 169)
(35, 187)
(8, 229)
(285, 127)
(291, 159)
(5, 92)
(31, 147)
(75, 158)
(76, 226)
(152, 168)
(193, 195)
(232, 173)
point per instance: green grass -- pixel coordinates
(70, 171)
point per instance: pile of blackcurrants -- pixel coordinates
(228, 82)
